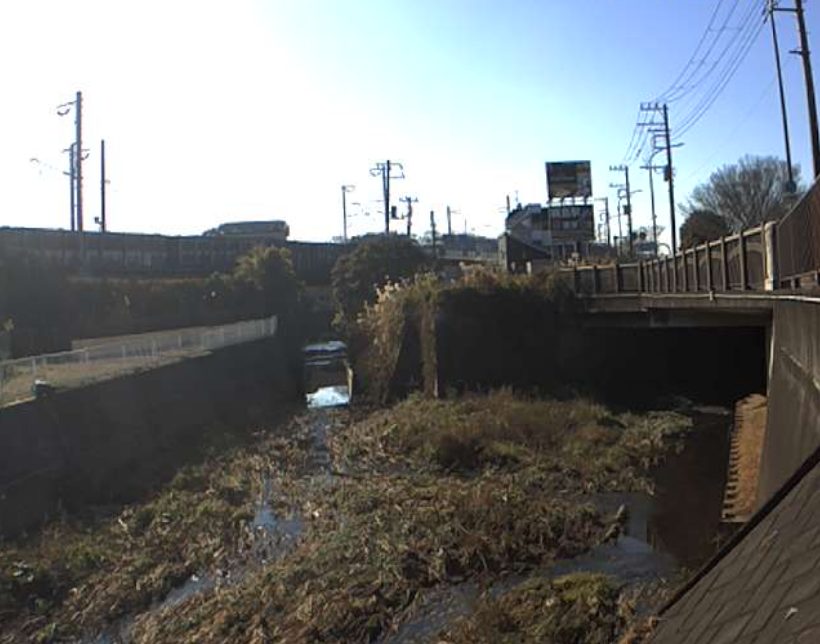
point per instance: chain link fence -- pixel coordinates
(101, 359)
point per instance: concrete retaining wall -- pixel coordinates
(112, 440)
(793, 423)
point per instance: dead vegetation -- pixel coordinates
(582, 607)
(427, 494)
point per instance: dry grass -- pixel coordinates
(78, 577)
(582, 607)
(428, 494)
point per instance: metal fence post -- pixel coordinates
(695, 269)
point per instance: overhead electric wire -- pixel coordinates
(744, 45)
(738, 124)
(679, 83)
(632, 140)
(699, 73)
(715, 68)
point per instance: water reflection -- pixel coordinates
(333, 396)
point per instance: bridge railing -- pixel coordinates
(798, 243)
(741, 262)
(101, 360)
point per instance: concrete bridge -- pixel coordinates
(764, 585)
(765, 278)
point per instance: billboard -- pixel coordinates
(572, 223)
(569, 179)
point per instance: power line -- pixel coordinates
(717, 88)
(715, 69)
(679, 83)
(739, 124)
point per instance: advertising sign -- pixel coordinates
(569, 179)
(572, 222)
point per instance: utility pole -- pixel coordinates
(791, 187)
(345, 190)
(651, 168)
(662, 131)
(628, 207)
(450, 220)
(608, 232)
(670, 178)
(433, 231)
(77, 166)
(384, 170)
(70, 174)
(102, 186)
(409, 216)
(812, 105)
(78, 121)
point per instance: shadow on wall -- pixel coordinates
(507, 338)
(112, 441)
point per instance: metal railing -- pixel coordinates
(102, 359)
(741, 262)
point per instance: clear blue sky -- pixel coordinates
(219, 111)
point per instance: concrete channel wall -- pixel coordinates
(110, 441)
(793, 425)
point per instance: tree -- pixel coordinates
(702, 226)
(746, 193)
(268, 271)
(374, 261)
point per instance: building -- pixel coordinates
(555, 232)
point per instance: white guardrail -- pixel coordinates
(101, 359)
